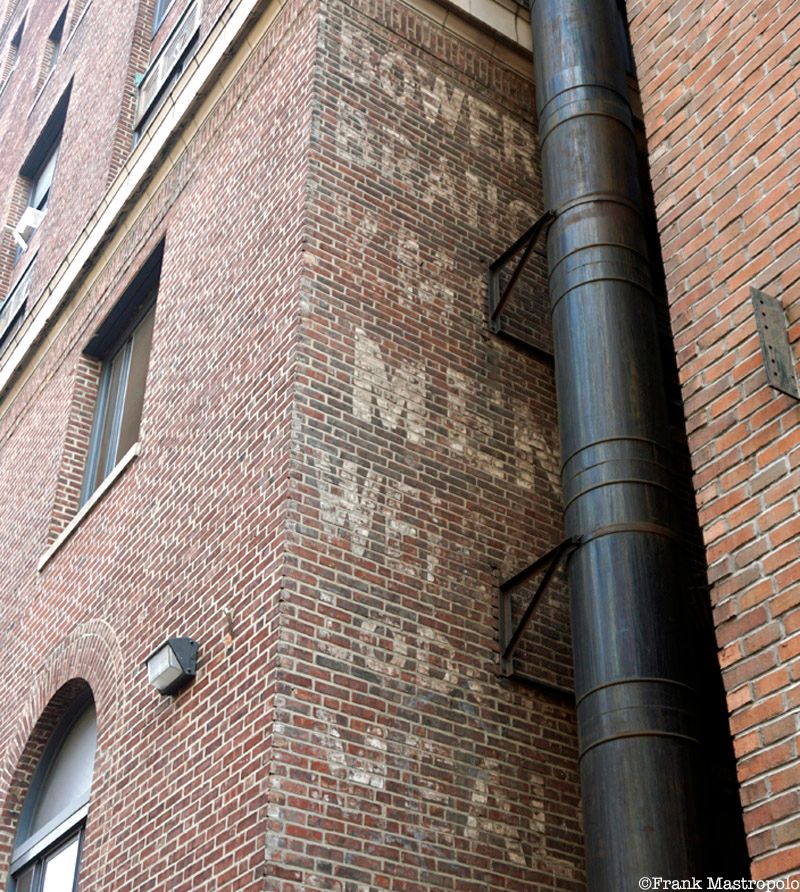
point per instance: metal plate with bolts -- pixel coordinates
(775, 347)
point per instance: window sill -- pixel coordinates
(87, 508)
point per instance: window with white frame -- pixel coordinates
(119, 404)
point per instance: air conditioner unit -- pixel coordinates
(28, 224)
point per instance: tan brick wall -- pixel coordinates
(719, 90)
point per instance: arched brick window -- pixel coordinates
(47, 847)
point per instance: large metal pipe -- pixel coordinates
(635, 701)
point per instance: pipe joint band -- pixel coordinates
(598, 227)
(635, 707)
(633, 448)
(584, 100)
(614, 529)
(616, 472)
(634, 476)
(581, 78)
(591, 199)
(569, 278)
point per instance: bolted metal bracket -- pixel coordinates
(509, 636)
(778, 357)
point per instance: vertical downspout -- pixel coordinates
(635, 700)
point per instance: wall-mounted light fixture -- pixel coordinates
(172, 665)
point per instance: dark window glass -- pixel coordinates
(55, 38)
(40, 187)
(16, 40)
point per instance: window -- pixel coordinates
(167, 67)
(39, 170)
(40, 165)
(43, 178)
(159, 12)
(14, 308)
(16, 40)
(123, 344)
(54, 40)
(11, 55)
(47, 849)
(119, 404)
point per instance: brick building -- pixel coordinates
(719, 90)
(244, 262)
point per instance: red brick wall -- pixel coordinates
(191, 538)
(76, 445)
(719, 89)
(139, 59)
(338, 464)
(105, 46)
(92, 56)
(424, 454)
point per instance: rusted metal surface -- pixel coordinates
(634, 693)
(775, 348)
